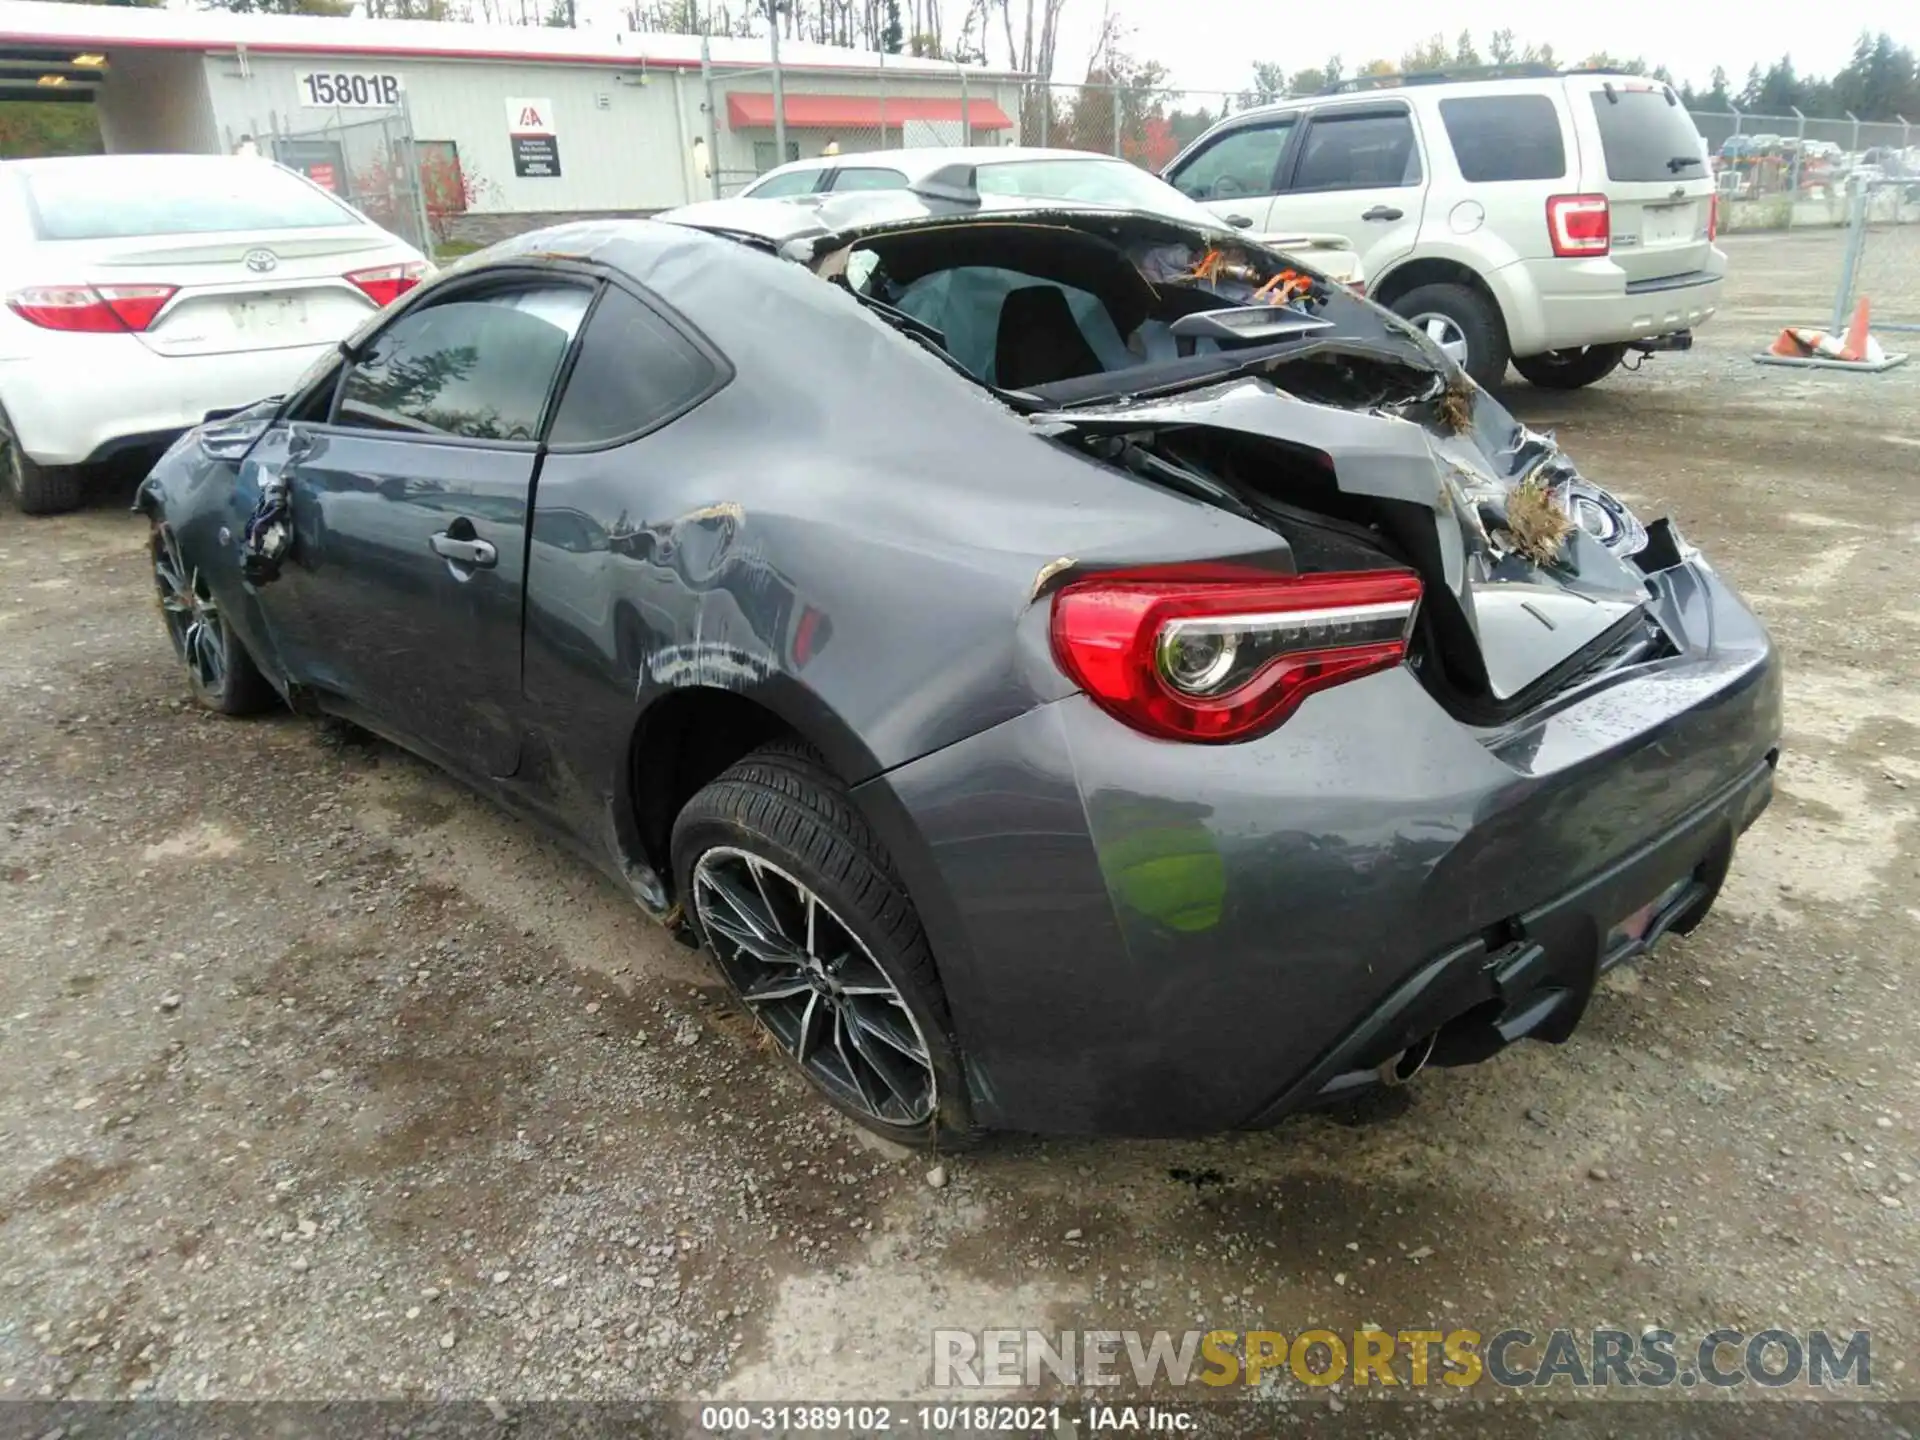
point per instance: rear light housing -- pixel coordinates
(1579, 224)
(1713, 216)
(1217, 654)
(385, 284)
(91, 309)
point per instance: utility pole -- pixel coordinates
(779, 91)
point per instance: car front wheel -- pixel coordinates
(1570, 369)
(220, 672)
(795, 899)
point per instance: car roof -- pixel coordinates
(919, 161)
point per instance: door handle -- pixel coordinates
(1382, 212)
(1240, 222)
(477, 553)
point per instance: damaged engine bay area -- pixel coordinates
(1232, 378)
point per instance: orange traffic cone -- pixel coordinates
(1789, 345)
(1859, 346)
(1855, 350)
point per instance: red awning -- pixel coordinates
(860, 112)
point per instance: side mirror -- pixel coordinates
(1240, 222)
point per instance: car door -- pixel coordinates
(401, 598)
(1357, 170)
(1236, 173)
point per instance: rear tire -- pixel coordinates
(1476, 319)
(844, 961)
(34, 488)
(1570, 369)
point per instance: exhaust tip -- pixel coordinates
(1408, 1063)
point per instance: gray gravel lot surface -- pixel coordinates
(320, 1077)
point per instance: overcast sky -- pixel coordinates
(1212, 44)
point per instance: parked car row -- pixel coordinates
(1548, 221)
(1062, 688)
(1040, 174)
(1551, 221)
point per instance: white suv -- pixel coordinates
(1554, 219)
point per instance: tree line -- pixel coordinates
(1881, 80)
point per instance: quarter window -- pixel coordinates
(1505, 137)
(634, 372)
(779, 187)
(476, 366)
(1371, 150)
(1238, 164)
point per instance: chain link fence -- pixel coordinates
(760, 117)
(1882, 264)
(371, 164)
(1779, 172)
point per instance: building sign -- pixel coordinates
(340, 90)
(323, 175)
(534, 135)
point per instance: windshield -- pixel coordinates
(114, 198)
(1096, 181)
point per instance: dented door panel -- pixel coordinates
(366, 608)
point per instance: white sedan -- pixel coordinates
(1035, 173)
(143, 292)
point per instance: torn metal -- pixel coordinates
(269, 530)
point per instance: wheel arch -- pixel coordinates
(1410, 275)
(686, 736)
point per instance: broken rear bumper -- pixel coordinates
(1140, 937)
(1531, 977)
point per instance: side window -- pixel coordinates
(1239, 163)
(1366, 150)
(794, 182)
(477, 366)
(634, 371)
(869, 178)
(1505, 137)
(312, 393)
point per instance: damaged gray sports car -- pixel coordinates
(1072, 672)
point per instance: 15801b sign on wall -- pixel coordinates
(534, 135)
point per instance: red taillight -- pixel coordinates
(91, 309)
(387, 283)
(1222, 653)
(1579, 224)
(1713, 216)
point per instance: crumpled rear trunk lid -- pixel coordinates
(1520, 593)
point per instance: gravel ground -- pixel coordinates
(322, 1078)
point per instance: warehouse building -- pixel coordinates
(507, 127)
